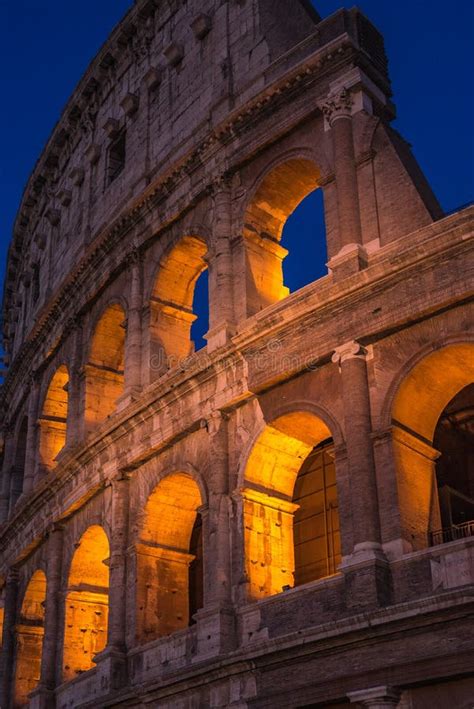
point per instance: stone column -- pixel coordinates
(133, 343)
(367, 550)
(216, 621)
(382, 697)
(8, 462)
(221, 297)
(337, 110)
(74, 431)
(31, 458)
(8, 639)
(118, 555)
(112, 661)
(42, 695)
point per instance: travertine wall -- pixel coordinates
(117, 435)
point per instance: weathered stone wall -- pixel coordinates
(234, 112)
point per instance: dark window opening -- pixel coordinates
(35, 289)
(116, 158)
(316, 523)
(196, 571)
(454, 439)
(18, 473)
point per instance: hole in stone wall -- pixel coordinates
(454, 439)
(316, 521)
(116, 157)
(86, 603)
(304, 235)
(29, 639)
(201, 310)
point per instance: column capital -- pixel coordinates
(221, 183)
(382, 696)
(338, 104)
(134, 256)
(349, 350)
(55, 527)
(214, 421)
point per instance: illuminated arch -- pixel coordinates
(53, 419)
(86, 603)
(275, 198)
(165, 557)
(271, 471)
(29, 639)
(417, 406)
(105, 366)
(171, 303)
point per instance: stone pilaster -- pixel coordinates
(366, 568)
(133, 343)
(8, 461)
(382, 697)
(8, 638)
(221, 297)
(216, 621)
(31, 458)
(42, 696)
(112, 661)
(74, 431)
(351, 257)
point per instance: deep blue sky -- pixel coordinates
(45, 45)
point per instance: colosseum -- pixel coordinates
(285, 516)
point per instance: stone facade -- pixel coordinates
(194, 134)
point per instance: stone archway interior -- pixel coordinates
(169, 584)
(29, 639)
(86, 603)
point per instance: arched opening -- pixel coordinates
(53, 420)
(432, 431)
(454, 439)
(169, 558)
(29, 639)
(304, 236)
(16, 480)
(105, 366)
(291, 518)
(316, 532)
(173, 304)
(277, 197)
(86, 603)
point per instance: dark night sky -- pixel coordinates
(45, 46)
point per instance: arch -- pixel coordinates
(18, 474)
(53, 419)
(420, 399)
(277, 194)
(171, 303)
(164, 557)
(86, 602)
(270, 474)
(29, 639)
(105, 365)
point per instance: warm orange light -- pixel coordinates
(163, 557)
(53, 420)
(270, 475)
(86, 603)
(417, 406)
(105, 367)
(29, 639)
(171, 305)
